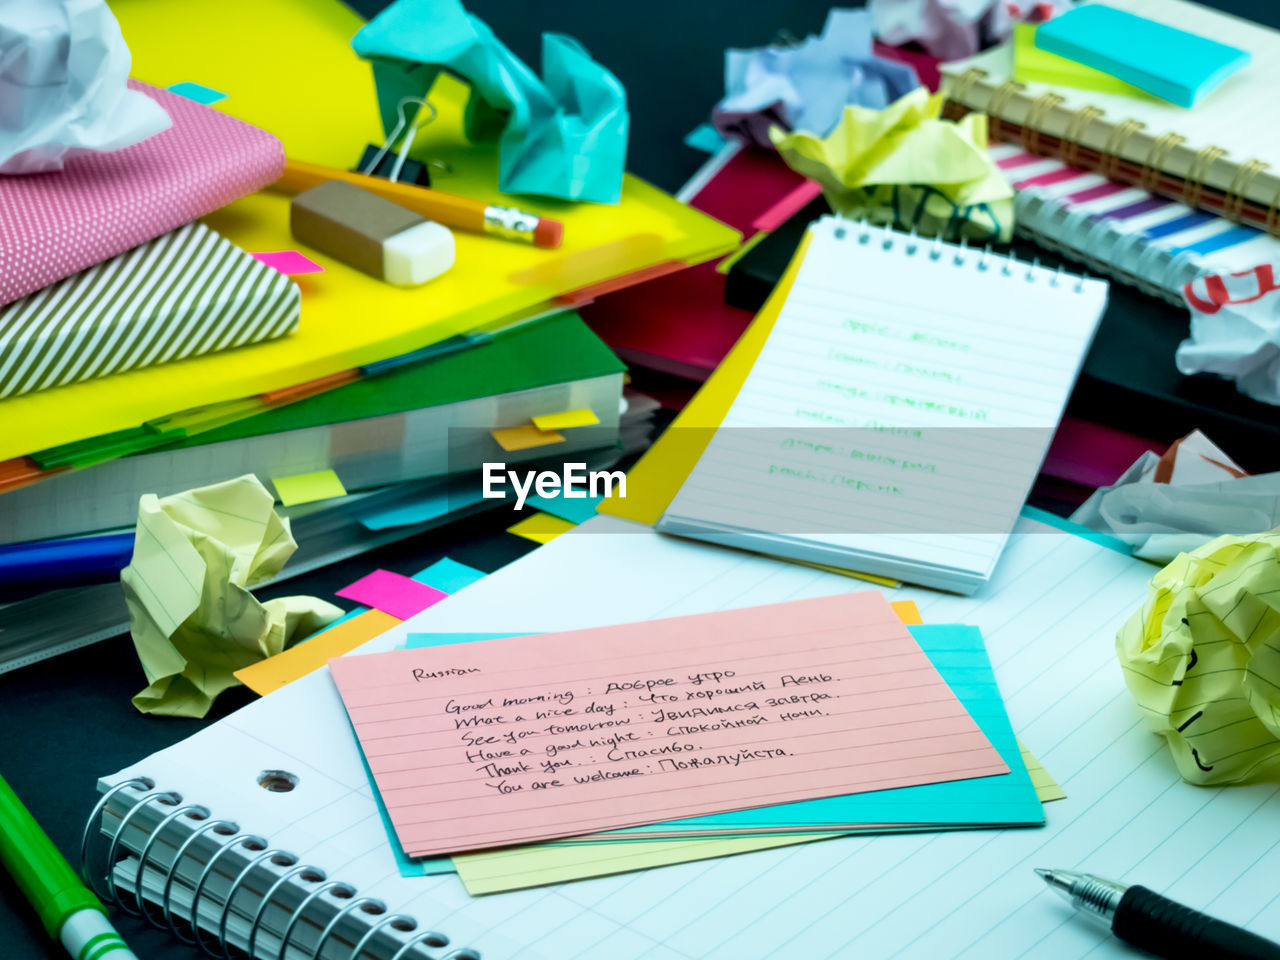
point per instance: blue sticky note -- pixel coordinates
(416, 640)
(1173, 64)
(573, 509)
(197, 92)
(448, 575)
(704, 137)
(433, 502)
(960, 656)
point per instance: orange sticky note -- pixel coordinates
(522, 438)
(531, 738)
(907, 611)
(275, 672)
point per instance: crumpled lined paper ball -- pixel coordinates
(193, 617)
(63, 70)
(1202, 659)
(904, 165)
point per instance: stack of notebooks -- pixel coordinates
(113, 385)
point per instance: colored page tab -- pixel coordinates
(289, 262)
(308, 487)
(392, 593)
(585, 417)
(576, 509)
(197, 92)
(541, 527)
(271, 674)
(443, 728)
(522, 438)
(1033, 65)
(448, 575)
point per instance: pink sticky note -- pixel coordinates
(391, 593)
(516, 740)
(788, 206)
(289, 262)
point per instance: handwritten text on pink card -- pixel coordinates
(530, 738)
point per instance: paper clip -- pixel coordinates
(412, 131)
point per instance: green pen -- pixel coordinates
(69, 910)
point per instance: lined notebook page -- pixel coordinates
(535, 738)
(900, 407)
(1049, 616)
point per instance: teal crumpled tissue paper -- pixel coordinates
(562, 135)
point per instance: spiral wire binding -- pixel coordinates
(958, 90)
(228, 836)
(864, 233)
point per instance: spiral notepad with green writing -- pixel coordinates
(898, 414)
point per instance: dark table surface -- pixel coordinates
(69, 720)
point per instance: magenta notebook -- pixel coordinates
(55, 224)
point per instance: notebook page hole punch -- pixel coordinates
(280, 858)
(304, 872)
(960, 255)
(1032, 267)
(935, 249)
(193, 811)
(913, 242)
(397, 921)
(335, 888)
(249, 841)
(410, 131)
(370, 906)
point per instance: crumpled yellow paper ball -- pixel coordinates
(193, 616)
(1202, 659)
(906, 165)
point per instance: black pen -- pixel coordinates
(1157, 924)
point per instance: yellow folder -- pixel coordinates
(286, 66)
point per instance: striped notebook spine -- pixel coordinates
(1156, 244)
(183, 294)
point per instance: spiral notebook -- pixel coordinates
(899, 411)
(1155, 244)
(1222, 155)
(285, 769)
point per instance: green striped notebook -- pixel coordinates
(186, 293)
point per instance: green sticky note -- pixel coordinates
(307, 487)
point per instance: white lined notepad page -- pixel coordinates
(899, 411)
(1049, 617)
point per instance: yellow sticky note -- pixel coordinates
(522, 438)
(563, 421)
(1033, 65)
(275, 672)
(1046, 787)
(541, 527)
(517, 868)
(306, 487)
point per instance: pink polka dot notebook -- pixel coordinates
(55, 224)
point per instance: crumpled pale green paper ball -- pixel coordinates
(1202, 659)
(193, 617)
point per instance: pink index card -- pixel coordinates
(392, 593)
(515, 740)
(289, 262)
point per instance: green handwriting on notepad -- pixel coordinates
(897, 366)
(853, 453)
(850, 392)
(628, 727)
(842, 480)
(922, 337)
